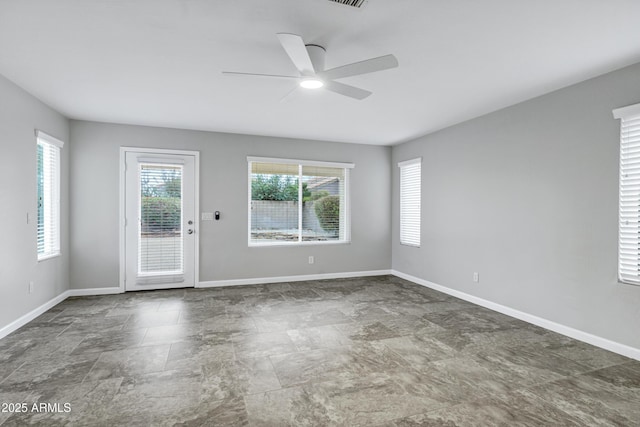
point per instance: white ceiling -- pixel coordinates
(159, 62)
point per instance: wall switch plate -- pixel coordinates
(311, 260)
(207, 216)
(31, 287)
(476, 277)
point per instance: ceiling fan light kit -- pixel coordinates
(309, 60)
(311, 84)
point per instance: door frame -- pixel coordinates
(122, 213)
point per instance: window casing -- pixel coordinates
(410, 178)
(48, 195)
(629, 195)
(298, 202)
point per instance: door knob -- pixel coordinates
(190, 231)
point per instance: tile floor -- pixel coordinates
(349, 352)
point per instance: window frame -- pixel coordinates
(401, 166)
(625, 114)
(301, 163)
(52, 212)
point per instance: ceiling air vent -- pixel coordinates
(354, 3)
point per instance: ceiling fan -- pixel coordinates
(309, 60)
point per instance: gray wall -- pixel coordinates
(527, 197)
(224, 253)
(20, 114)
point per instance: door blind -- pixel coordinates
(160, 244)
(629, 205)
(410, 176)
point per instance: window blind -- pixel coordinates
(629, 198)
(48, 195)
(410, 176)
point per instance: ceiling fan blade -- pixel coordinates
(297, 51)
(236, 73)
(347, 90)
(363, 67)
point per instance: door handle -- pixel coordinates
(190, 231)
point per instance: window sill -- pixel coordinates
(622, 282)
(409, 245)
(285, 244)
(49, 256)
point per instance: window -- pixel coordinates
(48, 182)
(298, 202)
(629, 195)
(410, 175)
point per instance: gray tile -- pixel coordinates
(229, 323)
(592, 401)
(228, 378)
(129, 362)
(315, 365)
(324, 316)
(587, 355)
(474, 320)
(338, 364)
(254, 345)
(108, 341)
(367, 331)
(278, 322)
(529, 365)
(172, 333)
(50, 372)
(488, 411)
(256, 375)
(147, 319)
(198, 352)
(11, 398)
(314, 338)
(419, 352)
(301, 293)
(374, 351)
(464, 379)
(375, 400)
(171, 398)
(86, 404)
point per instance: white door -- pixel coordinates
(160, 220)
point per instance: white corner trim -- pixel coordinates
(417, 160)
(94, 291)
(341, 165)
(48, 138)
(624, 112)
(23, 320)
(595, 340)
(300, 278)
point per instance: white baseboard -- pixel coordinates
(300, 278)
(23, 320)
(595, 340)
(94, 291)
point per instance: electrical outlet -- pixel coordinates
(311, 260)
(30, 287)
(476, 277)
